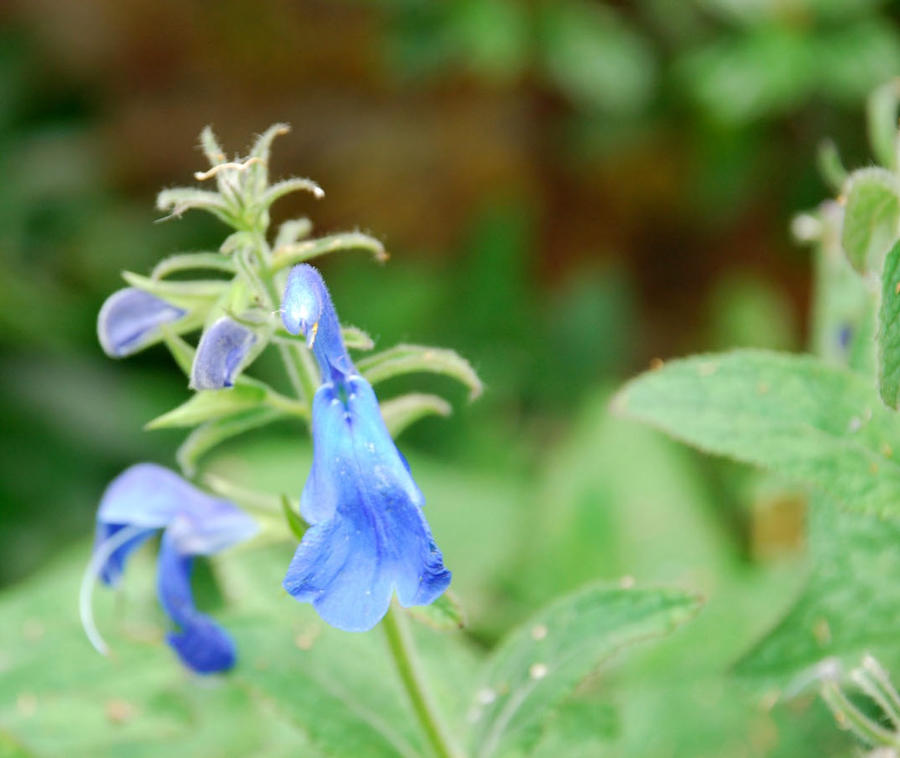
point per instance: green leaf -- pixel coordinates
(204, 438)
(189, 261)
(211, 148)
(193, 295)
(843, 306)
(286, 187)
(258, 174)
(889, 330)
(298, 252)
(541, 662)
(296, 524)
(881, 120)
(401, 412)
(181, 351)
(871, 217)
(61, 698)
(444, 613)
(181, 199)
(828, 159)
(813, 423)
(407, 359)
(356, 339)
(211, 404)
(291, 231)
(851, 604)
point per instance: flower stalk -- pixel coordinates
(402, 647)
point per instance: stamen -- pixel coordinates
(202, 176)
(89, 580)
(311, 340)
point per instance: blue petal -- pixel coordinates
(201, 644)
(153, 497)
(112, 569)
(221, 354)
(369, 536)
(307, 309)
(130, 319)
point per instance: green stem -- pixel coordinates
(403, 650)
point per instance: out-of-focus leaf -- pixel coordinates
(812, 423)
(843, 307)
(408, 359)
(579, 728)
(258, 174)
(881, 112)
(594, 57)
(871, 217)
(491, 37)
(210, 404)
(292, 230)
(204, 438)
(889, 330)
(294, 522)
(356, 339)
(181, 199)
(739, 78)
(854, 57)
(298, 252)
(193, 295)
(851, 604)
(58, 697)
(540, 663)
(188, 261)
(180, 350)
(830, 165)
(401, 412)
(286, 187)
(444, 613)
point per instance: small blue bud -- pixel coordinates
(221, 354)
(307, 309)
(130, 319)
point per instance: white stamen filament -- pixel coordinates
(202, 176)
(89, 580)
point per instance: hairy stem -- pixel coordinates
(402, 649)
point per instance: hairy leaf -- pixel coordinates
(210, 404)
(871, 217)
(816, 424)
(882, 122)
(851, 604)
(193, 295)
(204, 438)
(408, 359)
(401, 412)
(189, 261)
(298, 252)
(889, 330)
(540, 663)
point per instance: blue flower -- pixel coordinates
(222, 352)
(130, 319)
(139, 502)
(368, 536)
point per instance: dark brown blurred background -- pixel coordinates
(568, 189)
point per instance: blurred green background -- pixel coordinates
(568, 190)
